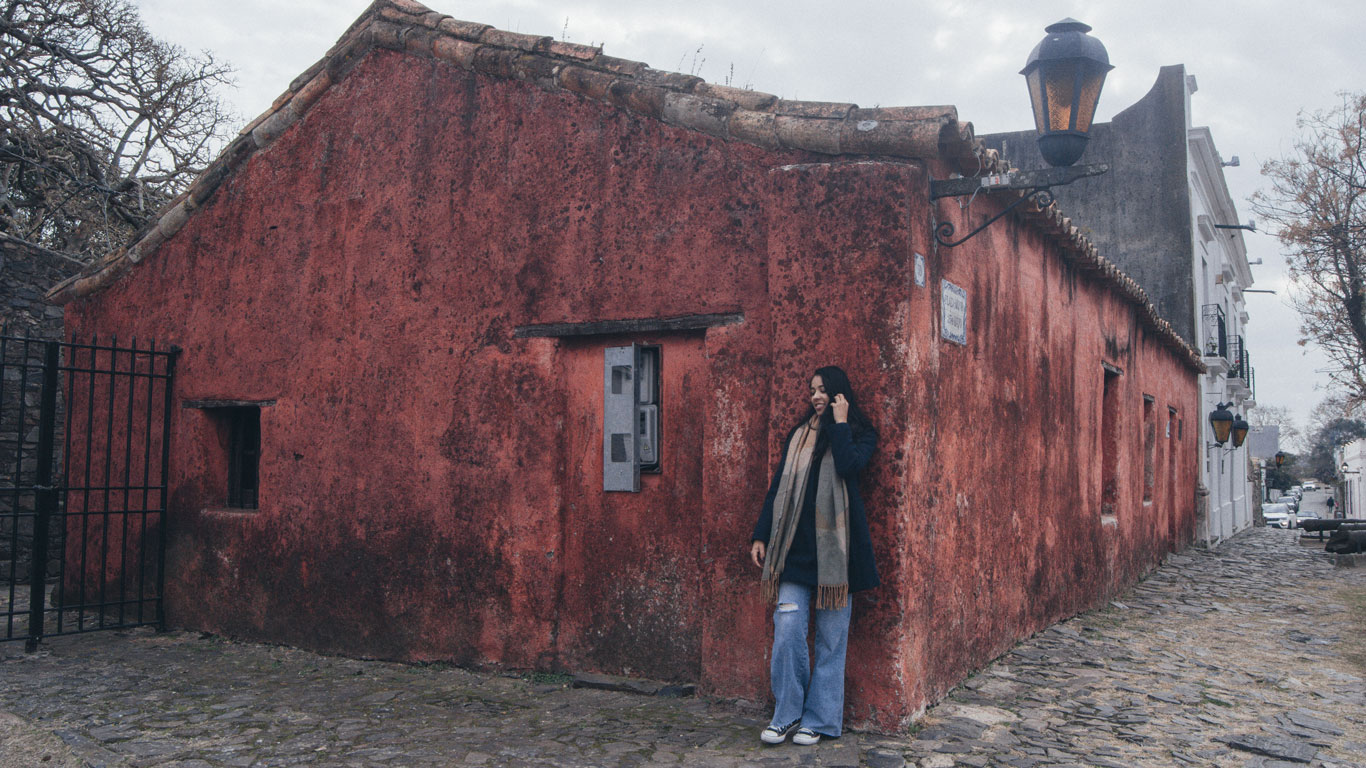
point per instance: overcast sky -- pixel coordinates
(1257, 64)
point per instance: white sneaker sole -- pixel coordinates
(769, 737)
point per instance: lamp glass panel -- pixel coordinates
(1221, 429)
(1239, 435)
(1091, 82)
(1060, 80)
(1036, 94)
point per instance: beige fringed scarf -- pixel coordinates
(832, 522)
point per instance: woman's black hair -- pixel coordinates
(836, 382)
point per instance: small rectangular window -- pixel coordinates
(238, 424)
(1109, 442)
(1149, 448)
(244, 456)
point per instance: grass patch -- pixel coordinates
(1216, 702)
(1354, 640)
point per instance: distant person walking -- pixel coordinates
(1332, 502)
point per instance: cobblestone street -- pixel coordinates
(1250, 655)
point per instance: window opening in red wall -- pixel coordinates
(238, 423)
(1109, 443)
(244, 455)
(242, 425)
(1149, 447)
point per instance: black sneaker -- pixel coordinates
(806, 737)
(776, 735)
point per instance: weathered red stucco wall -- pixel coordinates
(431, 484)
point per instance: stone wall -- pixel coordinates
(26, 273)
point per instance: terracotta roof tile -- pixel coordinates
(624, 67)
(811, 133)
(307, 76)
(465, 30)
(542, 70)
(149, 243)
(819, 109)
(759, 128)
(271, 128)
(574, 50)
(674, 81)
(752, 100)
(408, 6)
(459, 52)
(350, 50)
(868, 131)
(498, 37)
(497, 62)
(586, 82)
(698, 113)
(420, 40)
(387, 33)
(647, 100)
(305, 95)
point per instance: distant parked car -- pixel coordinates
(1310, 485)
(1291, 501)
(1277, 515)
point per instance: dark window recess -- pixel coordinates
(1149, 448)
(244, 454)
(1109, 442)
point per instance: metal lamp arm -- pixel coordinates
(944, 229)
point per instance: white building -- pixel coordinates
(1221, 275)
(1354, 480)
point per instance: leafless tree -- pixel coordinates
(100, 123)
(1317, 201)
(1277, 416)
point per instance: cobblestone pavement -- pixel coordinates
(1250, 655)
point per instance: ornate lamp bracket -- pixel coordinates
(1037, 182)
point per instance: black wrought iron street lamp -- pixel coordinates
(1221, 421)
(1280, 458)
(1240, 428)
(1065, 73)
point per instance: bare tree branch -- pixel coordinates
(100, 123)
(1317, 203)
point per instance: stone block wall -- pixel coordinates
(26, 273)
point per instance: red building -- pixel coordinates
(399, 296)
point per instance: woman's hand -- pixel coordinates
(840, 409)
(756, 553)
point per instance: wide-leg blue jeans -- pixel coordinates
(813, 696)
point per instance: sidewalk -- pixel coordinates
(1251, 655)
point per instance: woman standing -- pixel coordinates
(813, 545)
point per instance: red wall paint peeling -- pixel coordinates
(431, 484)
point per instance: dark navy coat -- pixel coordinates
(851, 451)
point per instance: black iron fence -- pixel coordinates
(84, 463)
